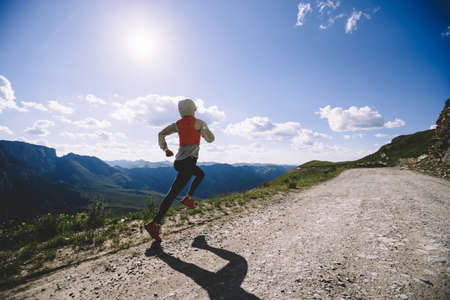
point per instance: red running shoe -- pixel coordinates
(189, 202)
(154, 230)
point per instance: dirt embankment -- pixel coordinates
(369, 234)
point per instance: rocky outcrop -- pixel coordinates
(380, 162)
(437, 160)
(439, 148)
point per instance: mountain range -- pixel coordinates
(127, 164)
(34, 180)
(219, 179)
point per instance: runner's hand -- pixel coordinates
(169, 153)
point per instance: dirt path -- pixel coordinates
(369, 234)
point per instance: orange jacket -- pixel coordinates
(187, 133)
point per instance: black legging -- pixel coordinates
(186, 168)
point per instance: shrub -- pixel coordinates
(84, 239)
(151, 210)
(27, 251)
(56, 242)
(96, 213)
(80, 221)
(151, 206)
(195, 211)
(99, 239)
(8, 269)
(46, 227)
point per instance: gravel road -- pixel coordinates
(367, 234)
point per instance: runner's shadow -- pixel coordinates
(223, 284)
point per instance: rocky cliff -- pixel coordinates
(439, 148)
(437, 160)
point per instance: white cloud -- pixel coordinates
(355, 118)
(211, 114)
(368, 16)
(327, 8)
(105, 135)
(261, 152)
(394, 124)
(90, 123)
(233, 148)
(74, 135)
(263, 128)
(331, 21)
(306, 137)
(64, 119)
(92, 99)
(5, 130)
(320, 147)
(34, 105)
(351, 119)
(7, 97)
(250, 153)
(98, 135)
(56, 106)
(302, 139)
(352, 21)
(433, 126)
(380, 135)
(446, 33)
(303, 10)
(40, 128)
(337, 17)
(157, 110)
(305, 141)
(38, 141)
(328, 4)
(357, 135)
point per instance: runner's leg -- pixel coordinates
(184, 174)
(198, 173)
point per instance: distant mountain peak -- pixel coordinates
(37, 157)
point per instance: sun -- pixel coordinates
(143, 44)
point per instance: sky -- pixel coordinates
(277, 81)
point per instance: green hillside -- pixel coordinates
(322, 163)
(403, 146)
(312, 172)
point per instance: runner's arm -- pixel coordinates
(172, 128)
(206, 133)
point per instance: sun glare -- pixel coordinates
(143, 44)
